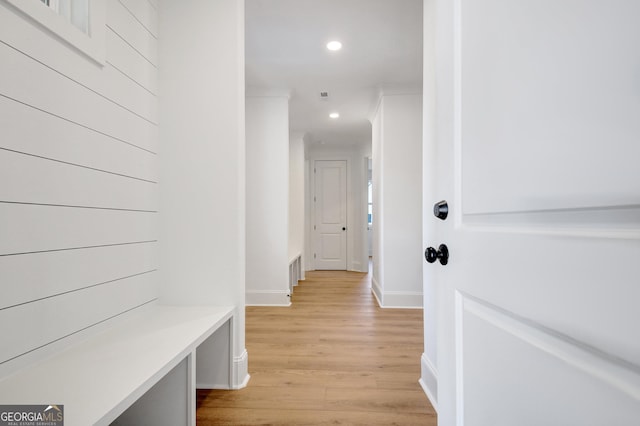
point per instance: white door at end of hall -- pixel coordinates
(330, 228)
(537, 146)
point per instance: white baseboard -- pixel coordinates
(240, 374)
(396, 299)
(429, 380)
(267, 298)
(357, 267)
(402, 299)
(376, 290)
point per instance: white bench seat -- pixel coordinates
(98, 378)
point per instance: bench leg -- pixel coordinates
(191, 389)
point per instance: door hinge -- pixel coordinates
(314, 255)
(314, 227)
(314, 170)
(314, 198)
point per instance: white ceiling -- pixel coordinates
(286, 50)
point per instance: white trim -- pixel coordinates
(396, 299)
(584, 232)
(267, 298)
(403, 300)
(92, 45)
(240, 375)
(593, 362)
(429, 380)
(457, 112)
(375, 106)
(255, 92)
(376, 290)
(400, 90)
(192, 398)
(459, 357)
(391, 90)
(356, 266)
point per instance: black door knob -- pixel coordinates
(442, 254)
(441, 209)
(344, 228)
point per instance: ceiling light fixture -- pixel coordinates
(334, 115)
(334, 45)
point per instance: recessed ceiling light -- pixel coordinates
(334, 115)
(334, 45)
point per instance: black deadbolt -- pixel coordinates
(441, 209)
(442, 254)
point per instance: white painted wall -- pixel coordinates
(357, 256)
(267, 267)
(78, 203)
(397, 176)
(296, 196)
(80, 220)
(429, 359)
(203, 159)
(377, 189)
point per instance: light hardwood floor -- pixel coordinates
(333, 357)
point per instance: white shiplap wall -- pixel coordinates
(78, 178)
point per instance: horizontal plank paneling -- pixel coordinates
(47, 320)
(32, 131)
(145, 13)
(28, 228)
(129, 94)
(52, 92)
(27, 39)
(43, 181)
(63, 271)
(123, 23)
(123, 57)
(77, 213)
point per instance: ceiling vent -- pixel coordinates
(324, 95)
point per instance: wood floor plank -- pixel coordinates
(333, 357)
(313, 378)
(278, 417)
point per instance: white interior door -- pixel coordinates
(537, 152)
(330, 215)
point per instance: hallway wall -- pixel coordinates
(203, 159)
(79, 166)
(397, 194)
(267, 238)
(296, 197)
